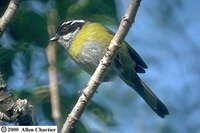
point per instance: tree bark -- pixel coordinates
(8, 15)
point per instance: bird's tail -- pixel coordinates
(145, 92)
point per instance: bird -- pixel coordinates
(86, 43)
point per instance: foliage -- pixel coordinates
(23, 60)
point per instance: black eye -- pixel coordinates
(64, 29)
(69, 27)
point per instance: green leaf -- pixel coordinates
(6, 57)
(44, 1)
(80, 128)
(103, 113)
(30, 27)
(62, 6)
(103, 11)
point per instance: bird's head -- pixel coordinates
(67, 31)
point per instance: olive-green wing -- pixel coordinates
(140, 65)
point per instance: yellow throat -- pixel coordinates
(90, 32)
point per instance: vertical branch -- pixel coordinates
(105, 62)
(8, 15)
(53, 82)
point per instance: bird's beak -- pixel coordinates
(54, 38)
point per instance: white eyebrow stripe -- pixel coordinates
(75, 21)
(65, 23)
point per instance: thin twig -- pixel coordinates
(53, 85)
(98, 75)
(53, 82)
(8, 15)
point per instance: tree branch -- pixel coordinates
(53, 85)
(52, 70)
(19, 111)
(105, 62)
(8, 15)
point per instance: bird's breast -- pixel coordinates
(89, 58)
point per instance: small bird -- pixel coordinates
(86, 43)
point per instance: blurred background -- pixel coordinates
(165, 34)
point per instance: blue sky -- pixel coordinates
(171, 49)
